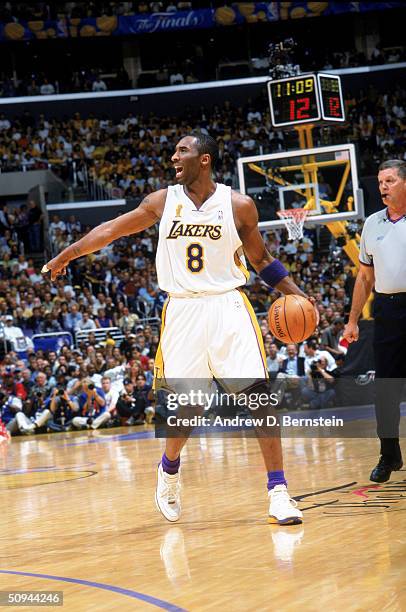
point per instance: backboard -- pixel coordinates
(323, 181)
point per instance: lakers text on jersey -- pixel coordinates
(199, 250)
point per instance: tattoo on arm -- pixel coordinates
(76, 251)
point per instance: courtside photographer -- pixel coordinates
(91, 404)
(62, 409)
(131, 404)
(319, 391)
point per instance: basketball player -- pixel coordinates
(209, 328)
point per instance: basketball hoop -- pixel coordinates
(294, 219)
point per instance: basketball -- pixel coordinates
(292, 318)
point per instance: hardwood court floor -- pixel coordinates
(77, 511)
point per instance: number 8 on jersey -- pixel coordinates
(194, 259)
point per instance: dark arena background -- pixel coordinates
(305, 100)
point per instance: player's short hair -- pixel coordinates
(206, 144)
(399, 164)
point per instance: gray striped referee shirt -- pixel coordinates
(383, 246)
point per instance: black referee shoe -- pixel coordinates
(382, 471)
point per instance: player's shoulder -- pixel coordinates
(244, 210)
(242, 201)
(157, 196)
(156, 199)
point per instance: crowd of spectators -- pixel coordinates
(97, 380)
(172, 71)
(196, 67)
(131, 157)
(72, 81)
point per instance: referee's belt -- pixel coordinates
(400, 297)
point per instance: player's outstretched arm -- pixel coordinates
(148, 212)
(246, 220)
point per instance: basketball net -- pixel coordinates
(294, 219)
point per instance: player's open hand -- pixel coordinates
(57, 267)
(313, 301)
(351, 332)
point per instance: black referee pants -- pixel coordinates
(390, 368)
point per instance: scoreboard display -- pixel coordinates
(294, 100)
(305, 99)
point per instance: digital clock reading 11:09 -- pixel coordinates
(294, 100)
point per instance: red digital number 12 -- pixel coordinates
(301, 110)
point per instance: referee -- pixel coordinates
(383, 264)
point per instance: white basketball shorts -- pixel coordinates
(211, 336)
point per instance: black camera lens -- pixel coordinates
(90, 387)
(61, 391)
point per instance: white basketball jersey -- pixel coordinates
(199, 251)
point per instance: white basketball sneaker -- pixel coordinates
(167, 494)
(282, 509)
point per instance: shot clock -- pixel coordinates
(305, 99)
(332, 106)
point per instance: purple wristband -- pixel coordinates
(273, 273)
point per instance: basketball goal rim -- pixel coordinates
(294, 219)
